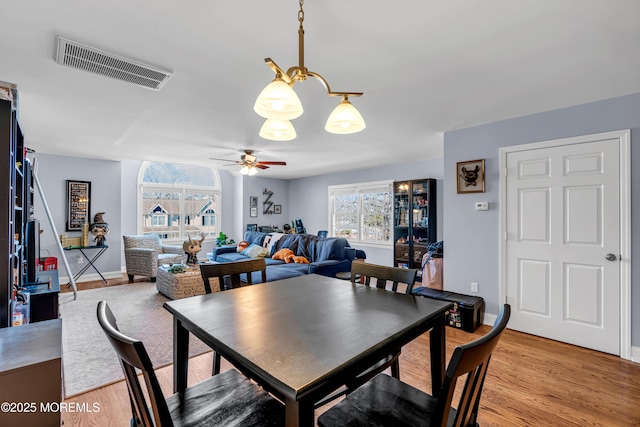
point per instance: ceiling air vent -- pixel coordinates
(87, 58)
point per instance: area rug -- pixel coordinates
(89, 361)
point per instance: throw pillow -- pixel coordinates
(271, 245)
(255, 251)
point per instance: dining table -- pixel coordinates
(304, 337)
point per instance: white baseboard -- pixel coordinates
(489, 319)
(89, 277)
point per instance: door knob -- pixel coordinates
(610, 257)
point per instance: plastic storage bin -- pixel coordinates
(49, 263)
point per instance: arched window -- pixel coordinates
(176, 200)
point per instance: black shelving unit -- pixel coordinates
(414, 221)
(12, 215)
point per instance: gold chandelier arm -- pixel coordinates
(276, 69)
(326, 86)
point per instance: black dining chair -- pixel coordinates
(225, 399)
(381, 277)
(231, 271)
(386, 401)
(234, 271)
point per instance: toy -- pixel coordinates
(297, 259)
(191, 248)
(282, 254)
(242, 245)
(99, 229)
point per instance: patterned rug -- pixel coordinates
(88, 359)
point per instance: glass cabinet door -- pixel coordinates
(402, 220)
(414, 221)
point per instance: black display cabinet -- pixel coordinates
(414, 221)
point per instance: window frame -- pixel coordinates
(182, 190)
(359, 189)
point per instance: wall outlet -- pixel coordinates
(79, 260)
(474, 286)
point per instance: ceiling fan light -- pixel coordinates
(277, 130)
(278, 101)
(244, 170)
(345, 119)
(252, 171)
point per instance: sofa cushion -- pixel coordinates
(271, 240)
(230, 257)
(255, 251)
(307, 246)
(331, 249)
(289, 241)
(255, 237)
(271, 261)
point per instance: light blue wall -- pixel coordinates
(53, 171)
(308, 197)
(255, 186)
(471, 237)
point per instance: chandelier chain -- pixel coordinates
(301, 13)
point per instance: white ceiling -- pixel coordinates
(425, 67)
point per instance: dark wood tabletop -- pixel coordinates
(301, 337)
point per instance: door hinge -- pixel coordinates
(506, 173)
(506, 236)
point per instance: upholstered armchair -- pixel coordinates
(143, 254)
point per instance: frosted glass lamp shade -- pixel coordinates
(278, 101)
(253, 170)
(277, 130)
(244, 170)
(345, 119)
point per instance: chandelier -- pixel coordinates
(279, 104)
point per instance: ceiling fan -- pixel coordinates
(250, 163)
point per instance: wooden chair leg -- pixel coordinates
(216, 363)
(395, 369)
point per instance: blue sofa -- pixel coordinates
(327, 256)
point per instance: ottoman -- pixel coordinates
(183, 285)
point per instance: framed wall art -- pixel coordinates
(470, 176)
(277, 209)
(78, 204)
(253, 206)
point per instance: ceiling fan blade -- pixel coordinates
(224, 160)
(261, 166)
(232, 164)
(274, 163)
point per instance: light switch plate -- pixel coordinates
(482, 206)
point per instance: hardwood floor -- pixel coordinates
(531, 381)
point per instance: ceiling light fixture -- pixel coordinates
(278, 103)
(248, 170)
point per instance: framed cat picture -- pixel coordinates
(470, 176)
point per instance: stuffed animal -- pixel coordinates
(297, 259)
(282, 254)
(243, 245)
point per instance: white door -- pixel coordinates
(562, 246)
